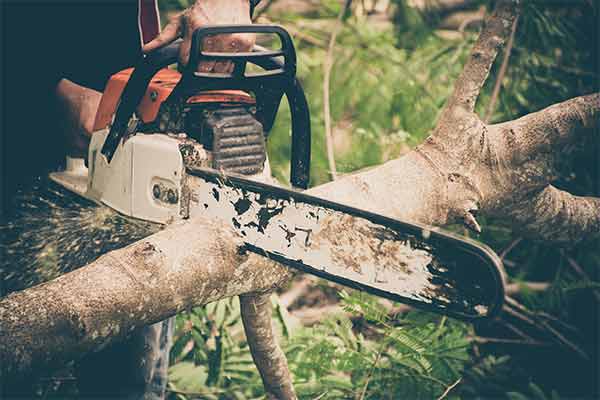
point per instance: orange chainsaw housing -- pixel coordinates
(158, 90)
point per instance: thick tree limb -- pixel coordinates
(128, 288)
(533, 147)
(559, 217)
(188, 264)
(499, 168)
(268, 357)
(527, 151)
(552, 130)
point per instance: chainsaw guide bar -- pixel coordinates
(414, 264)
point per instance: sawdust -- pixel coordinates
(52, 231)
(357, 242)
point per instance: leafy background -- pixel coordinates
(395, 65)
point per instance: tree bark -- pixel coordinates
(141, 284)
(504, 170)
(256, 313)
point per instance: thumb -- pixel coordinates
(169, 34)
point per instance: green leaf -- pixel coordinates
(189, 376)
(516, 396)
(537, 392)
(216, 361)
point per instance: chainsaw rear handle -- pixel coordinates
(269, 86)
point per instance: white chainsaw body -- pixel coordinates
(128, 183)
(144, 180)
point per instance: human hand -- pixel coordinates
(208, 12)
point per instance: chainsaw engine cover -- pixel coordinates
(159, 89)
(146, 177)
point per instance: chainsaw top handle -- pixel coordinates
(240, 59)
(277, 78)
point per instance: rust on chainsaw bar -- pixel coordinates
(410, 263)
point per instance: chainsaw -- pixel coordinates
(169, 145)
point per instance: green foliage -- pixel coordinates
(549, 61)
(534, 393)
(210, 356)
(383, 98)
(416, 357)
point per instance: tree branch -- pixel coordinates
(501, 73)
(141, 284)
(499, 168)
(552, 130)
(528, 152)
(559, 217)
(198, 261)
(267, 355)
(517, 287)
(468, 86)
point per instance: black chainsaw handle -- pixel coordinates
(267, 105)
(287, 51)
(268, 86)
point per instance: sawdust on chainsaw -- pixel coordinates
(376, 254)
(356, 244)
